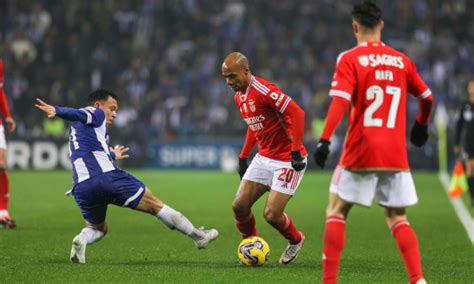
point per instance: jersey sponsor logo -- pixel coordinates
(252, 105)
(374, 60)
(256, 127)
(254, 119)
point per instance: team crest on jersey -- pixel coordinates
(252, 105)
(364, 60)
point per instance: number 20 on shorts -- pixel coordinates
(286, 175)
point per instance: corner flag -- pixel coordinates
(458, 183)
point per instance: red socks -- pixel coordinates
(288, 230)
(408, 247)
(246, 225)
(334, 244)
(4, 189)
(334, 238)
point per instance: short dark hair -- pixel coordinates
(367, 13)
(101, 95)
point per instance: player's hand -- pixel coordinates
(419, 134)
(120, 152)
(322, 152)
(48, 109)
(297, 161)
(242, 167)
(11, 124)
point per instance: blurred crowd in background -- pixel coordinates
(163, 58)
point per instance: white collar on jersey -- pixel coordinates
(365, 43)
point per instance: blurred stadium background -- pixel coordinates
(163, 58)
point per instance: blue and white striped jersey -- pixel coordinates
(88, 142)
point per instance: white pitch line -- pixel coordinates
(460, 208)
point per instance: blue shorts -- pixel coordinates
(115, 187)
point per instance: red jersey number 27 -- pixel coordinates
(377, 95)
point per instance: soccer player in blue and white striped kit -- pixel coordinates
(99, 182)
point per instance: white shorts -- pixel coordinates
(3, 142)
(279, 176)
(393, 189)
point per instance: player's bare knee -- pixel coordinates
(393, 215)
(105, 229)
(153, 205)
(156, 207)
(150, 203)
(340, 209)
(3, 167)
(272, 216)
(239, 208)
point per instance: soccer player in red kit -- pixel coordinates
(6, 221)
(372, 81)
(276, 123)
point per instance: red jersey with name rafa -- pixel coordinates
(376, 79)
(264, 108)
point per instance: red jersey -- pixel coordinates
(265, 110)
(3, 99)
(376, 78)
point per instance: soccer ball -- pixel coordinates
(253, 251)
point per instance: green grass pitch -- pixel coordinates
(139, 249)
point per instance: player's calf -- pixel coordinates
(244, 219)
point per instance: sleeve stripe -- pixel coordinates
(258, 88)
(287, 101)
(263, 87)
(342, 94)
(425, 94)
(89, 116)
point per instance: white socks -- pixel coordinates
(90, 235)
(175, 220)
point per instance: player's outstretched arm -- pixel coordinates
(49, 110)
(88, 115)
(336, 112)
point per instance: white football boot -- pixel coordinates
(78, 251)
(291, 251)
(421, 281)
(207, 236)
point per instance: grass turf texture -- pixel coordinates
(140, 249)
